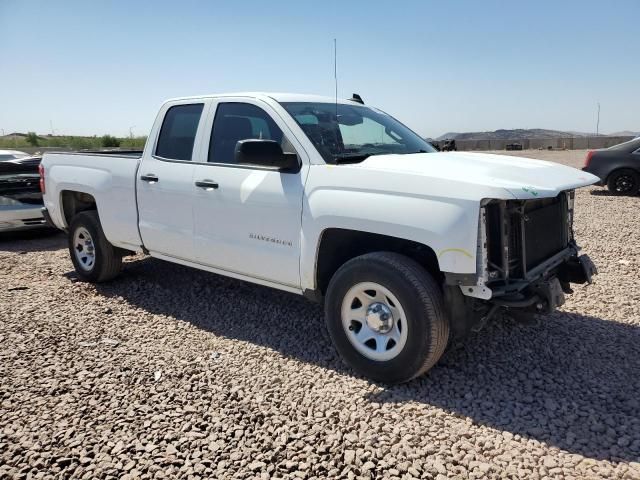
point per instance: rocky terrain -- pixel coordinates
(525, 133)
(508, 134)
(168, 372)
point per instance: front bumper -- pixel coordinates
(20, 217)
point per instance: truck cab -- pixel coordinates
(198, 203)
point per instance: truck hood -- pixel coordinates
(521, 177)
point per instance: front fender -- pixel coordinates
(448, 226)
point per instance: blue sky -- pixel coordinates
(96, 67)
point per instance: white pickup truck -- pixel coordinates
(335, 200)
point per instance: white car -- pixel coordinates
(406, 247)
(12, 155)
(20, 195)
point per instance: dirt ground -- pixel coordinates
(573, 158)
(169, 372)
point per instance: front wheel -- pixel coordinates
(386, 317)
(624, 182)
(93, 257)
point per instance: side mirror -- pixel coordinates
(266, 153)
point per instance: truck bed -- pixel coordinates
(110, 178)
(119, 153)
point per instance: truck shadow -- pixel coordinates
(37, 240)
(571, 381)
(607, 193)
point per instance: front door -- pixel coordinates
(248, 218)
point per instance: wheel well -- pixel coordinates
(338, 245)
(76, 202)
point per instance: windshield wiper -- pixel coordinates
(351, 157)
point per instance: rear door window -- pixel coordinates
(178, 132)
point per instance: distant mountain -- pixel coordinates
(526, 133)
(519, 133)
(14, 134)
(625, 133)
(583, 134)
(446, 136)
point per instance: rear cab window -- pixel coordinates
(178, 132)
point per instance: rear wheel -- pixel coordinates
(624, 182)
(386, 317)
(93, 257)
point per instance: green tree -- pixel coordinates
(109, 141)
(32, 139)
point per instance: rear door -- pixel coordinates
(248, 220)
(165, 181)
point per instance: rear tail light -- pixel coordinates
(41, 172)
(587, 160)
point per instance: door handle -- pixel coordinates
(149, 177)
(206, 184)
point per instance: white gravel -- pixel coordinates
(170, 372)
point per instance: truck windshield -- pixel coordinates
(357, 132)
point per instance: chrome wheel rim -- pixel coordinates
(374, 321)
(83, 249)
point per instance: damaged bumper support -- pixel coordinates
(541, 295)
(527, 260)
(544, 291)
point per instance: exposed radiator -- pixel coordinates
(531, 230)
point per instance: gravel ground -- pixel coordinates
(169, 372)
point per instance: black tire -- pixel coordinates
(420, 298)
(108, 259)
(624, 182)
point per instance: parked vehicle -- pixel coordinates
(20, 197)
(448, 146)
(337, 201)
(513, 146)
(12, 155)
(617, 167)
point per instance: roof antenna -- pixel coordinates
(357, 98)
(335, 71)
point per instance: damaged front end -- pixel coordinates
(527, 258)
